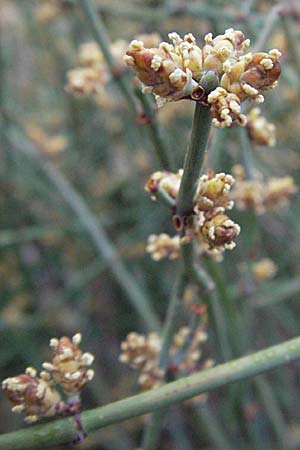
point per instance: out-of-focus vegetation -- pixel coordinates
(59, 277)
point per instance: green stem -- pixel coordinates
(99, 33)
(152, 432)
(150, 115)
(92, 225)
(197, 149)
(64, 430)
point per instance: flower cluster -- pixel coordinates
(37, 396)
(93, 74)
(163, 246)
(49, 10)
(264, 269)
(209, 225)
(48, 145)
(142, 353)
(263, 195)
(172, 71)
(260, 131)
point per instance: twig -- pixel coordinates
(91, 223)
(63, 430)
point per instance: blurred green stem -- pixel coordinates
(99, 33)
(151, 435)
(91, 223)
(64, 430)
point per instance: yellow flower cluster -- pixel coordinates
(260, 131)
(48, 10)
(262, 195)
(142, 353)
(209, 225)
(264, 269)
(173, 71)
(69, 366)
(37, 396)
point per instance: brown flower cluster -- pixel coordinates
(260, 131)
(36, 396)
(172, 71)
(209, 225)
(142, 353)
(263, 195)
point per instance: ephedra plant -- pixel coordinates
(225, 80)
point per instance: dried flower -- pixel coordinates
(264, 269)
(173, 72)
(260, 131)
(48, 145)
(33, 395)
(226, 109)
(169, 71)
(141, 352)
(69, 366)
(167, 181)
(212, 229)
(163, 246)
(263, 195)
(213, 191)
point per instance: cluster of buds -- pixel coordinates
(209, 225)
(93, 74)
(36, 396)
(48, 145)
(163, 246)
(49, 10)
(260, 131)
(173, 71)
(69, 366)
(262, 195)
(142, 353)
(264, 269)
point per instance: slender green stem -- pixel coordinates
(64, 430)
(91, 223)
(152, 432)
(293, 47)
(197, 149)
(272, 408)
(99, 33)
(163, 154)
(247, 154)
(212, 428)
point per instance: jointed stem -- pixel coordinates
(64, 430)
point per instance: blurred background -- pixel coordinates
(58, 149)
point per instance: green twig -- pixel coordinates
(152, 431)
(92, 225)
(64, 430)
(197, 149)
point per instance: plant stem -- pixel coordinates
(152, 432)
(100, 35)
(196, 151)
(64, 430)
(92, 225)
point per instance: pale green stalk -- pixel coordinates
(64, 430)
